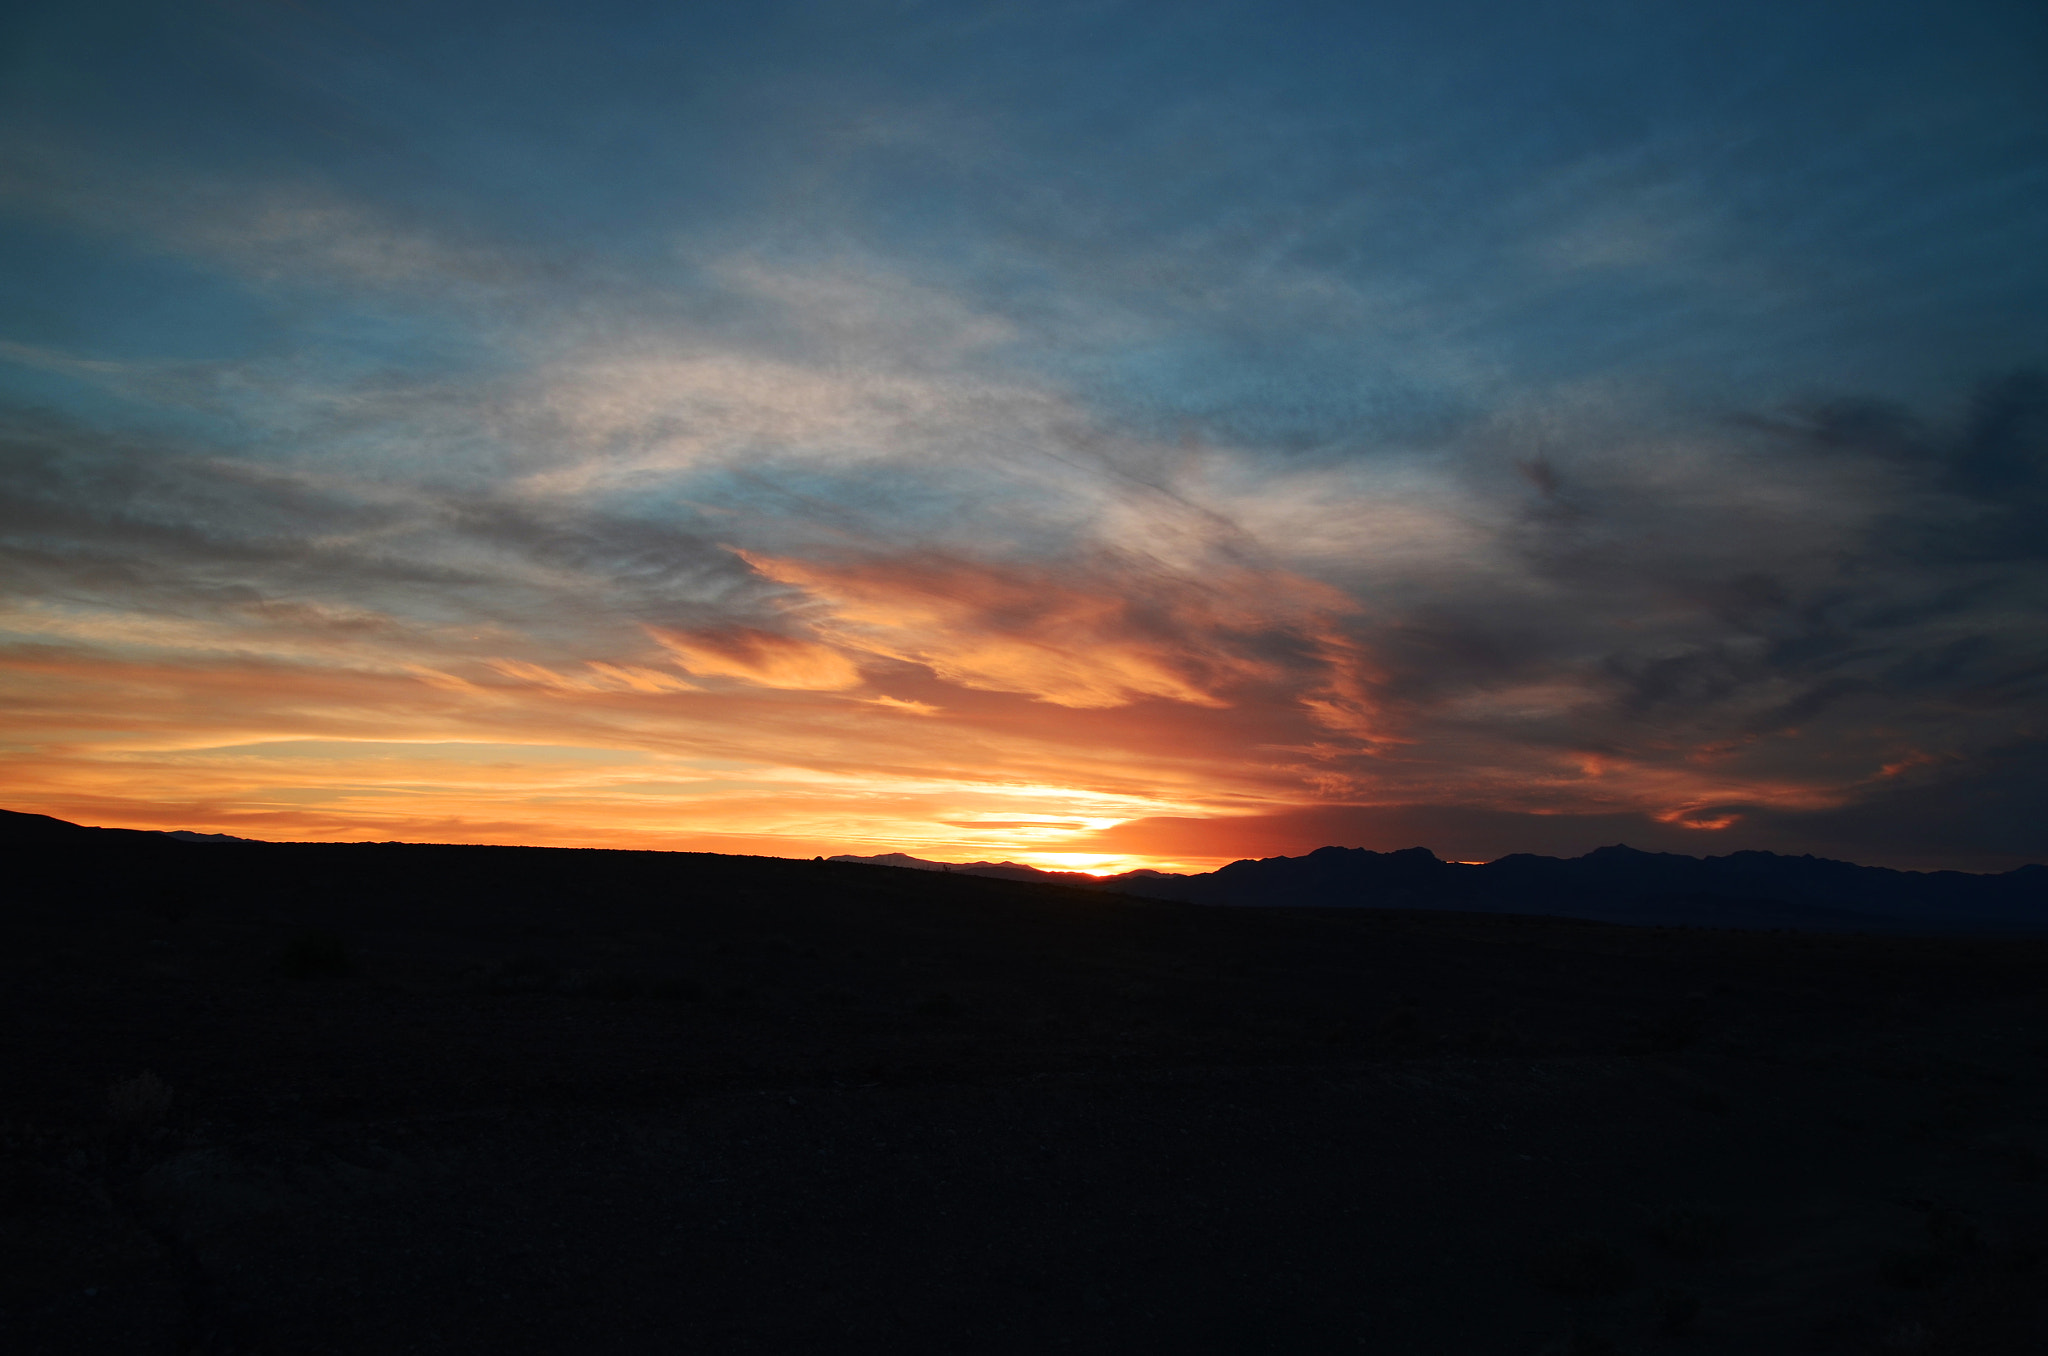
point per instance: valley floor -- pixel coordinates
(489, 1100)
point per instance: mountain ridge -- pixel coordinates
(1615, 883)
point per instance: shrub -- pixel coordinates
(1916, 1268)
(524, 973)
(138, 1105)
(1677, 1312)
(606, 984)
(1584, 1265)
(1952, 1239)
(1690, 1234)
(173, 903)
(314, 954)
(939, 1005)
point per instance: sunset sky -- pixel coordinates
(1089, 434)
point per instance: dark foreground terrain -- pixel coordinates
(295, 1098)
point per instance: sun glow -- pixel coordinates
(1087, 863)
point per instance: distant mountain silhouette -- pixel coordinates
(1616, 884)
(17, 827)
(1613, 884)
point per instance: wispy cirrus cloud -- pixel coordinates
(265, 230)
(761, 657)
(1105, 634)
(1583, 638)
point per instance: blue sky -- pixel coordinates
(1240, 427)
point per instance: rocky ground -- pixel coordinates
(387, 1099)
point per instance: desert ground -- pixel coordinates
(386, 1098)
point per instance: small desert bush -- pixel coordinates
(172, 903)
(524, 973)
(1951, 1242)
(616, 986)
(1678, 1311)
(938, 1005)
(1401, 1026)
(1499, 1037)
(2022, 1162)
(594, 984)
(1916, 1268)
(1690, 1234)
(1666, 1034)
(137, 1108)
(314, 954)
(1584, 1265)
(1905, 1335)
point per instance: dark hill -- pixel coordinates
(1613, 884)
(385, 1097)
(1621, 884)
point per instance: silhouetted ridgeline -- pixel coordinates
(1616, 884)
(1612, 884)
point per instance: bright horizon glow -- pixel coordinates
(1086, 863)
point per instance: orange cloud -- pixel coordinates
(534, 673)
(761, 658)
(1103, 642)
(634, 678)
(547, 754)
(607, 677)
(914, 708)
(1697, 817)
(1105, 707)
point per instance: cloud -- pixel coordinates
(636, 678)
(1101, 633)
(1750, 626)
(602, 677)
(915, 708)
(267, 231)
(854, 479)
(1472, 441)
(761, 658)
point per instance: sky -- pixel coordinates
(1089, 434)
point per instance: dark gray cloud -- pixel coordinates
(98, 520)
